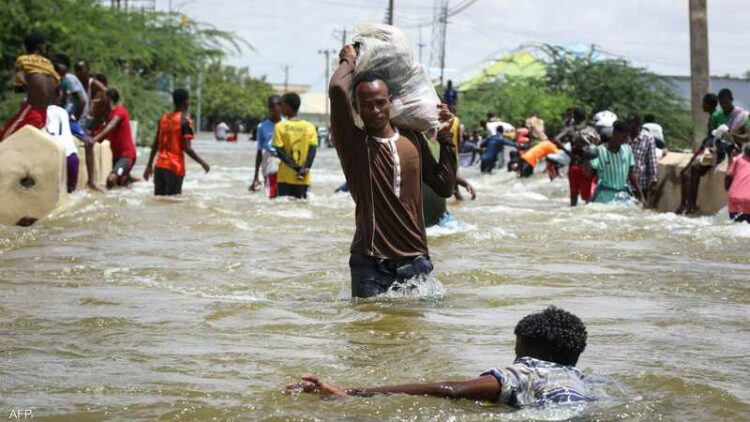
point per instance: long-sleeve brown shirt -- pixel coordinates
(386, 185)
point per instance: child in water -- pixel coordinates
(548, 345)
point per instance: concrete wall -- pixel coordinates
(711, 196)
(102, 164)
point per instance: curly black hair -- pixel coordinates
(559, 335)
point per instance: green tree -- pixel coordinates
(232, 95)
(514, 100)
(134, 49)
(582, 80)
(617, 85)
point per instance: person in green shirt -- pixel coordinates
(717, 116)
(615, 167)
(690, 176)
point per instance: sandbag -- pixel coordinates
(102, 163)
(32, 176)
(385, 51)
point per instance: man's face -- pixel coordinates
(618, 138)
(42, 49)
(708, 107)
(635, 131)
(374, 104)
(726, 104)
(285, 109)
(274, 109)
(82, 72)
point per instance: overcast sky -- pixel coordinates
(650, 33)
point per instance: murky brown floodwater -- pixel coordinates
(125, 307)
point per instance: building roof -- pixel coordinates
(518, 64)
(278, 88)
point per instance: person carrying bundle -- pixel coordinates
(384, 168)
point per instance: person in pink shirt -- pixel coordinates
(737, 183)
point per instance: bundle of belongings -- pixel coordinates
(383, 50)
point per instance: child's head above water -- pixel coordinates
(553, 335)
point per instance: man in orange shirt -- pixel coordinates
(530, 158)
(172, 141)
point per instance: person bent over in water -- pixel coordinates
(384, 169)
(548, 345)
(117, 130)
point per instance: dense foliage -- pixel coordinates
(234, 96)
(137, 50)
(513, 100)
(583, 80)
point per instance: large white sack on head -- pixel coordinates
(384, 50)
(32, 175)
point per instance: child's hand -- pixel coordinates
(312, 384)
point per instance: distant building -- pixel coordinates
(739, 87)
(313, 108)
(281, 89)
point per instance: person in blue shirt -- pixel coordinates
(548, 345)
(492, 147)
(266, 159)
(450, 96)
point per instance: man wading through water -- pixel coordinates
(384, 168)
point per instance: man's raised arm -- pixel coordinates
(342, 114)
(441, 175)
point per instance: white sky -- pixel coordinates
(650, 33)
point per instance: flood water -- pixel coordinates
(125, 307)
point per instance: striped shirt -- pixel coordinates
(534, 382)
(613, 169)
(644, 150)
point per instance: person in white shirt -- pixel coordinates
(657, 132)
(58, 126)
(221, 131)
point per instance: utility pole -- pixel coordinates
(700, 82)
(340, 35)
(421, 45)
(390, 12)
(327, 53)
(442, 48)
(198, 95)
(286, 77)
(439, 26)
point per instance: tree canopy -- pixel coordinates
(234, 95)
(583, 80)
(136, 50)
